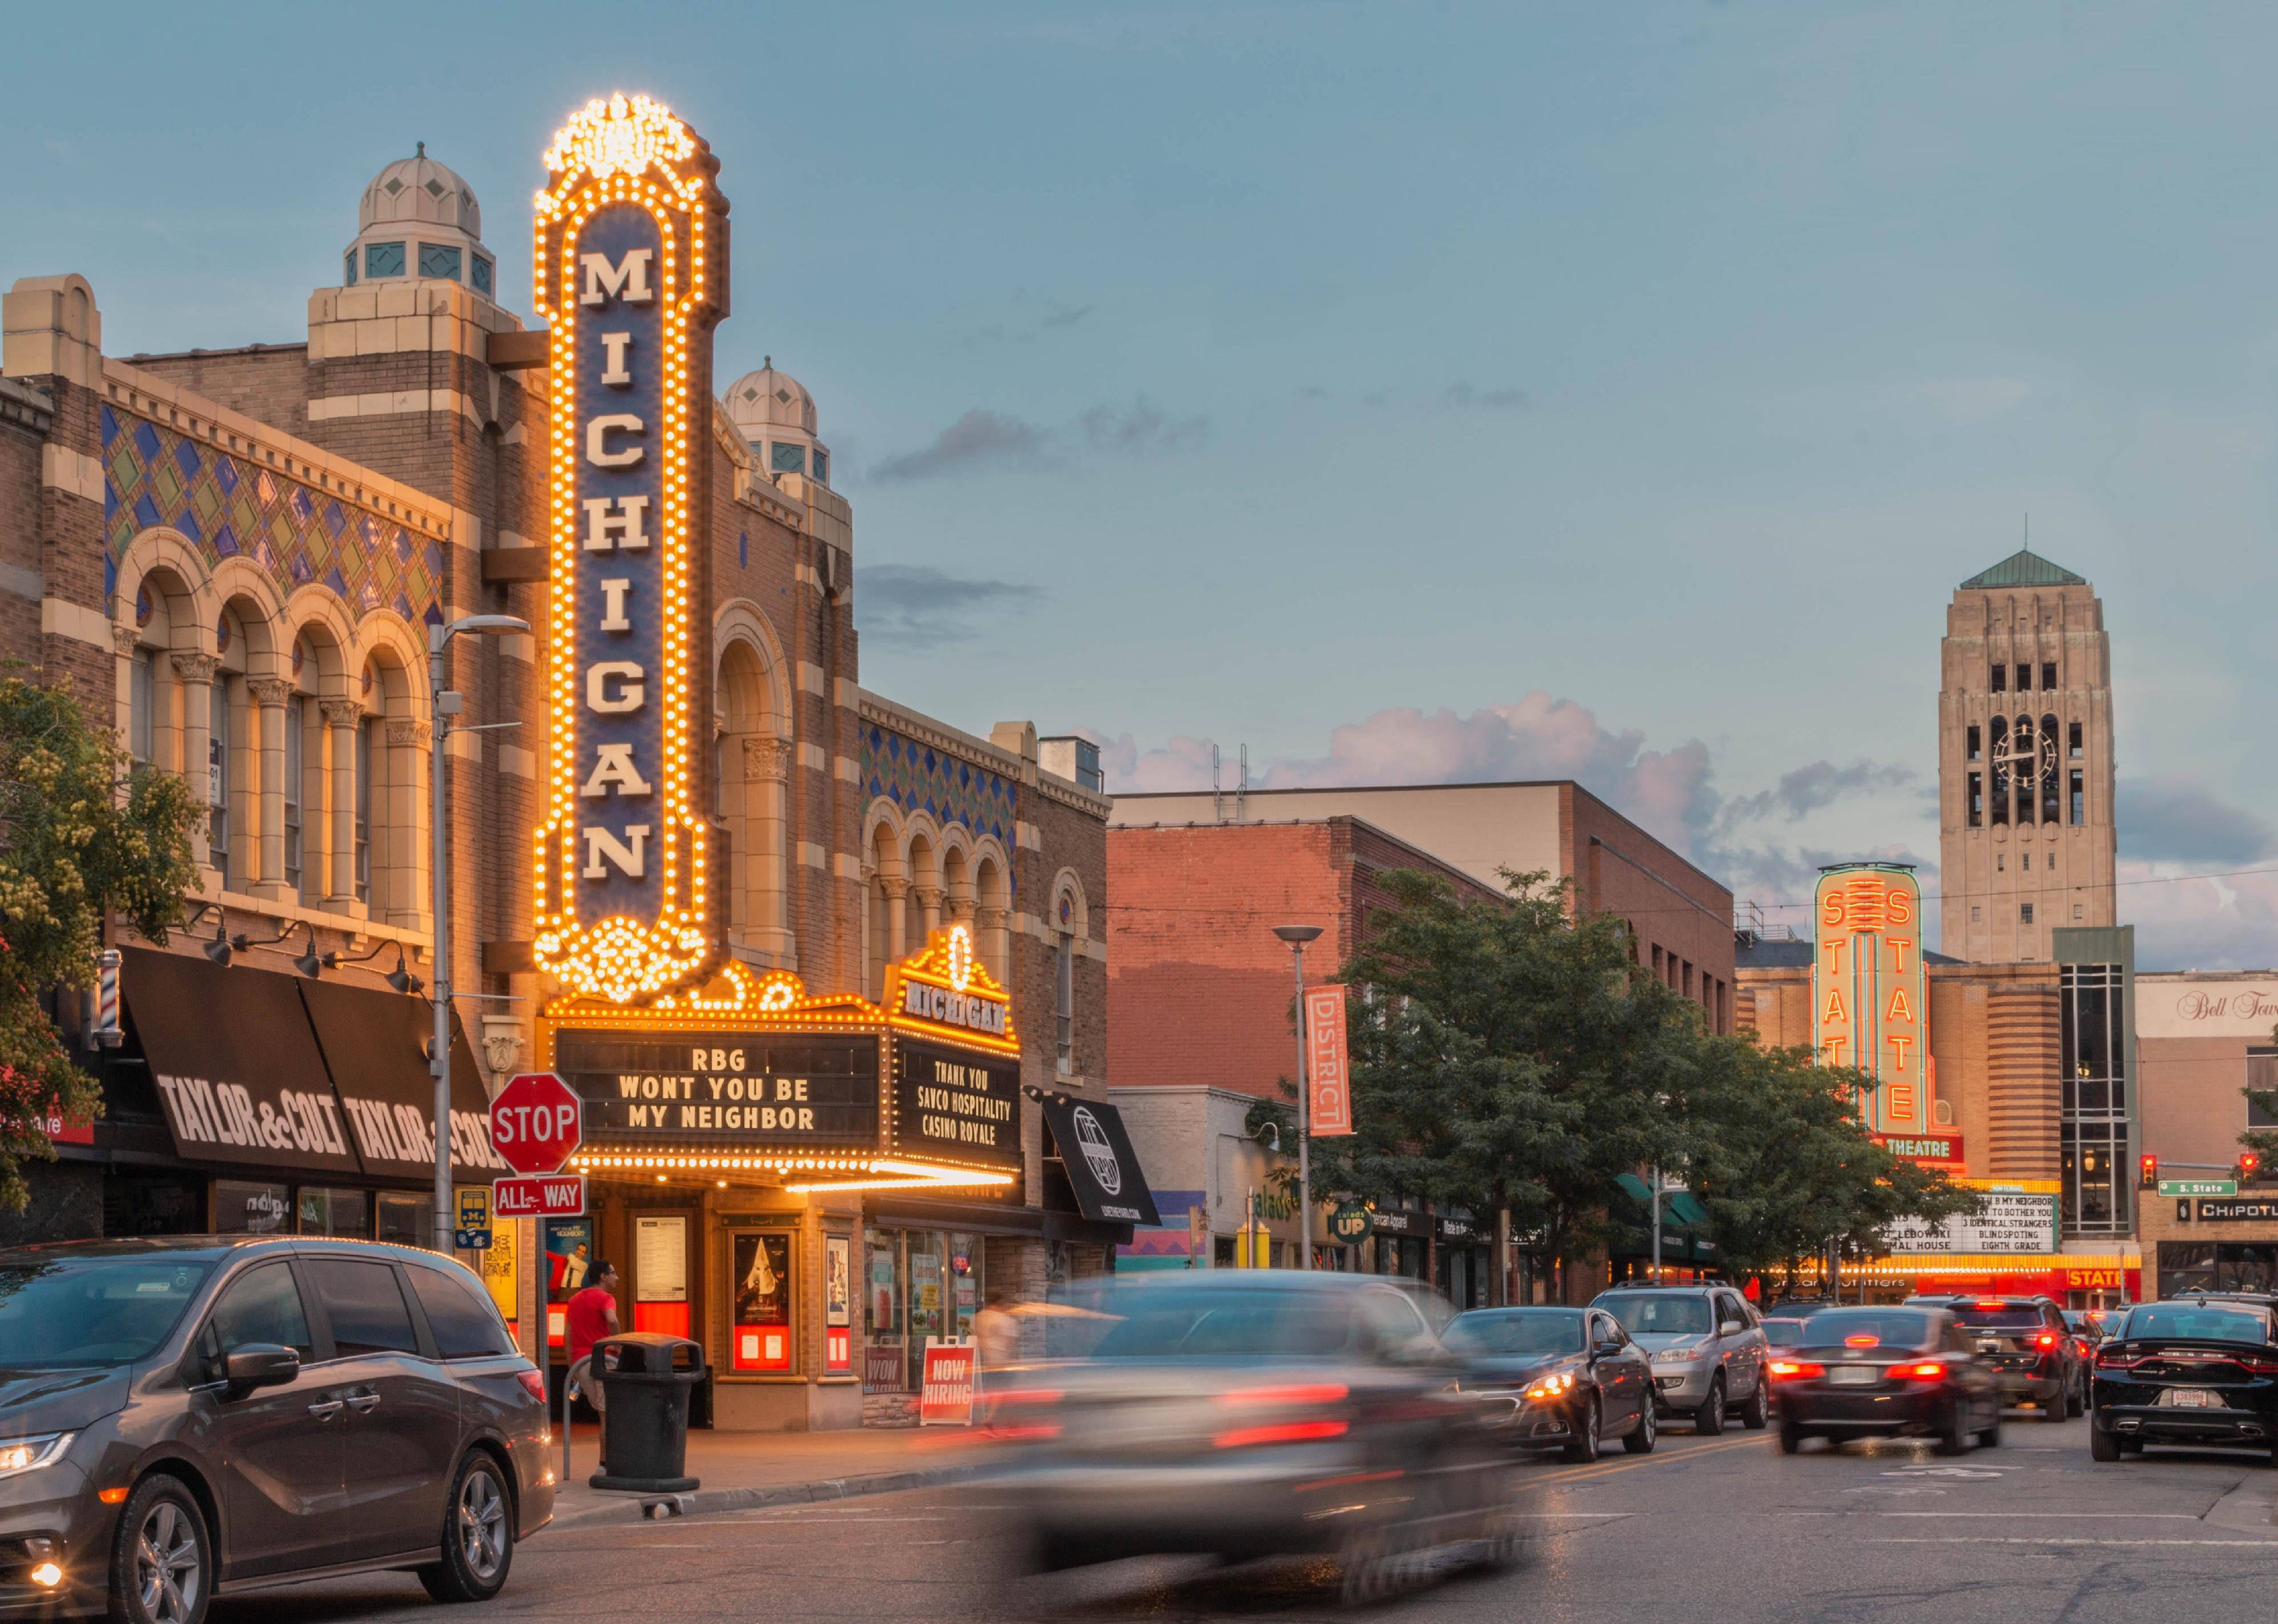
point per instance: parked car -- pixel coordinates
(2028, 1344)
(2198, 1370)
(1887, 1372)
(1254, 1412)
(1574, 1374)
(1706, 1346)
(197, 1417)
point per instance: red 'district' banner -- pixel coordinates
(1328, 1081)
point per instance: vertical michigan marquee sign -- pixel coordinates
(631, 276)
(1870, 1006)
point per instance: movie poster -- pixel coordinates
(837, 1283)
(569, 1266)
(761, 1265)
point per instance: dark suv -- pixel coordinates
(201, 1416)
(2032, 1351)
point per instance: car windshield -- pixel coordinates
(1652, 1314)
(2199, 1322)
(1223, 1324)
(70, 1313)
(1517, 1331)
(1869, 1327)
(1783, 1333)
(1999, 1315)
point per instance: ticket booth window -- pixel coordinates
(760, 1336)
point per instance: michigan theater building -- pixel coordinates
(829, 973)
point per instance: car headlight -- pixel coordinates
(1552, 1386)
(1677, 1356)
(29, 1454)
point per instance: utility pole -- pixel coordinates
(1298, 936)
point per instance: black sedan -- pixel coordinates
(2187, 1372)
(1573, 1373)
(1884, 1373)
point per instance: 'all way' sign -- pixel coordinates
(553, 1196)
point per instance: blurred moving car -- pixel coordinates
(2027, 1343)
(191, 1417)
(1783, 1332)
(1706, 1346)
(1254, 1412)
(2090, 1325)
(1575, 1374)
(1886, 1372)
(2197, 1370)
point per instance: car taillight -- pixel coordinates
(533, 1384)
(2110, 1358)
(1865, 1338)
(2047, 1338)
(2260, 1366)
(1295, 1393)
(1022, 1402)
(1929, 1370)
(1788, 1370)
(1280, 1432)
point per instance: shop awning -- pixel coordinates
(1103, 1171)
(236, 1064)
(375, 1045)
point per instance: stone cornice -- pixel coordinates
(942, 737)
(142, 394)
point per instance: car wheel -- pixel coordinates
(1754, 1413)
(1645, 1435)
(1709, 1420)
(2056, 1405)
(161, 1559)
(1989, 1437)
(2101, 1444)
(1791, 1438)
(2075, 1401)
(1584, 1449)
(1955, 1440)
(478, 1534)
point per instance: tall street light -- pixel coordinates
(442, 703)
(1298, 936)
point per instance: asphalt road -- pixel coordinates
(1722, 1528)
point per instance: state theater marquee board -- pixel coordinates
(1870, 1001)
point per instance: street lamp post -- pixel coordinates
(442, 703)
(1298, 936)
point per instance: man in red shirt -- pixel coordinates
(592, 1314)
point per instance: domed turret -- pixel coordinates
(419, 221)
(775, 414)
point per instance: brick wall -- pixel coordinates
(1671, 906)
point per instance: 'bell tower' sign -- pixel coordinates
(631, 276)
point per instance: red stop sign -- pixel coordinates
(536, 1122)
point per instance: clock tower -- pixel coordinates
(2026, 841)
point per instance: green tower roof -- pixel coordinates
(2025, 568)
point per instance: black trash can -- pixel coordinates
(645, 1428)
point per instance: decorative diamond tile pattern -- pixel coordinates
(916, 777)
(227, 508)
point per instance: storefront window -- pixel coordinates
(335, 1212)
(2216, 1266)
(882, 1365)
(406, 1220)
(965, 1282)
(761, 1338)
(251, 1208)
(928, 1296)
(2093, 1130)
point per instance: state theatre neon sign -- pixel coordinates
(1871, 1000)
(630, 243)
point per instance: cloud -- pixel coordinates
(2191, 924)
(1807, 789)
(1141, 428)
(1378, 398)
(918, 605)
(1036, 314)
(2176, 818)
(1464, 396)
(1058, 317)
(982, 441)
(1312, 391)
(1975, 399)
(979, 439)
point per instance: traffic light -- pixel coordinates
(2249, 1165)
(2147, 1173)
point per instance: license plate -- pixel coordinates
(1989, 1347)
(1853, 1376)
(2193, 1399)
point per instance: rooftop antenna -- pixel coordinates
(1241, 793)
(1218, 799)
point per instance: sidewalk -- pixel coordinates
(741, 1469)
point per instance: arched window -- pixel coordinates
(363, 759)
(142, 700)
(752, 765)
(217, 776)
(1998, 733)
(2022, 753)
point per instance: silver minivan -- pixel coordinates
(1708, 1348)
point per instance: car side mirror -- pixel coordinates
(1608, 1348)
(261, 1364)
(1731, 1328)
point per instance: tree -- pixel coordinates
(2263, 1141)
(81, 835)
(1781, 1161)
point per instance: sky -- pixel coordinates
(1406, 394)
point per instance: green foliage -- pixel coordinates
(2264, 1141)
(80, 836)
(1508, 1054)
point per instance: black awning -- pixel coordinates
(375, 1043)
(1103, 1171)
(239, 1072)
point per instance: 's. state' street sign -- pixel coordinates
(536, 1122)
(553, 1195)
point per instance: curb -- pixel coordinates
(623, 1506)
